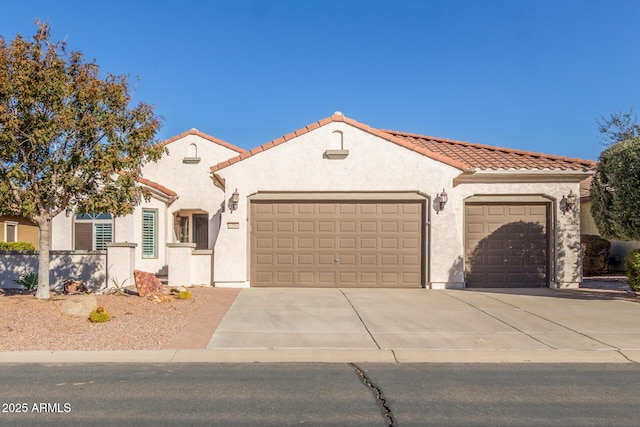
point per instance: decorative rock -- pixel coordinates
(80, 305)
(147, 283)
(74, 287)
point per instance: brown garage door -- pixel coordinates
(506, 245)
(336, 244)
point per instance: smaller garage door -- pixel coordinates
(507, 245)
(336, 243)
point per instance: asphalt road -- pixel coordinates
(320, 394)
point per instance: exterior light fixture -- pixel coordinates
(233, 202)
(443, 198)
(569, 201)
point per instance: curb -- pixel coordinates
(320, 356)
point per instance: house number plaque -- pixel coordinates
(233, 225)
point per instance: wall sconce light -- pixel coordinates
(569, 201)
(443, 198)
(233, 202)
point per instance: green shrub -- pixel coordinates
(595, 254)
(28, 280)
(16, 246)
(99, 315)
(632, 268)
(185, 294)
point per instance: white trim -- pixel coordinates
(12, 223)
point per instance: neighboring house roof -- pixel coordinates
(461, 155)
(203, 135)
(585, 188)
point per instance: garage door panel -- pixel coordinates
(305, 226)
(264, 226)
(336, 244)
(303, 243)
(512, 249)
(325, 259)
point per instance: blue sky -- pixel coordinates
(531, 75)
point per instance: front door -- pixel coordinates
(201, 231)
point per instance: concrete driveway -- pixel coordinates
(411, 324)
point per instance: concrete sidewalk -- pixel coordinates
(403, 326)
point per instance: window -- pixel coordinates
(93, 231)
(184, 229)
(149, 233)
(10, 231)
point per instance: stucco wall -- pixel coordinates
(89, 267)
(377, 165)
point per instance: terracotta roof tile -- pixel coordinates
(202, 135)
(585, 188)
(480, 156)
(459, 154)
(157, 186)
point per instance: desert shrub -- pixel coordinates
(28, 280)
(16, 246)
(595, 254)
(184, 294)
(632, 269)
(99, 315)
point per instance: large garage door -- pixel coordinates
(506, 245)
(336, 244)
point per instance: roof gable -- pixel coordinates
(203, 135)
(338, 117)
(464, 156)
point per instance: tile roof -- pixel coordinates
(585, 188)
(154, 185)
(461, 155)
(480, 156)
(157, 186)
(202, 135)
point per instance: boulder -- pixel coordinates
(147, 283)
(79, 305)
(74, 287)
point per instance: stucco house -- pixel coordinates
(341, 204)
(184, 208)
(17, 229)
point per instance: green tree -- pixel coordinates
(615, 190)
(68, 140)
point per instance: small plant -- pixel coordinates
(28, 280)
(117, 284)
(184, 294)
(632, 269)
(16, 246)
(99, 315)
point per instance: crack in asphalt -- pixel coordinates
(379, 395)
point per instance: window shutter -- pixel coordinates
(84, 236)
(102, 235)
(149, 234)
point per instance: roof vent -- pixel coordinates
(338, 113)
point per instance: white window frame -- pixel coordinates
(8, 224)
(96, 221)
(154, 230)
